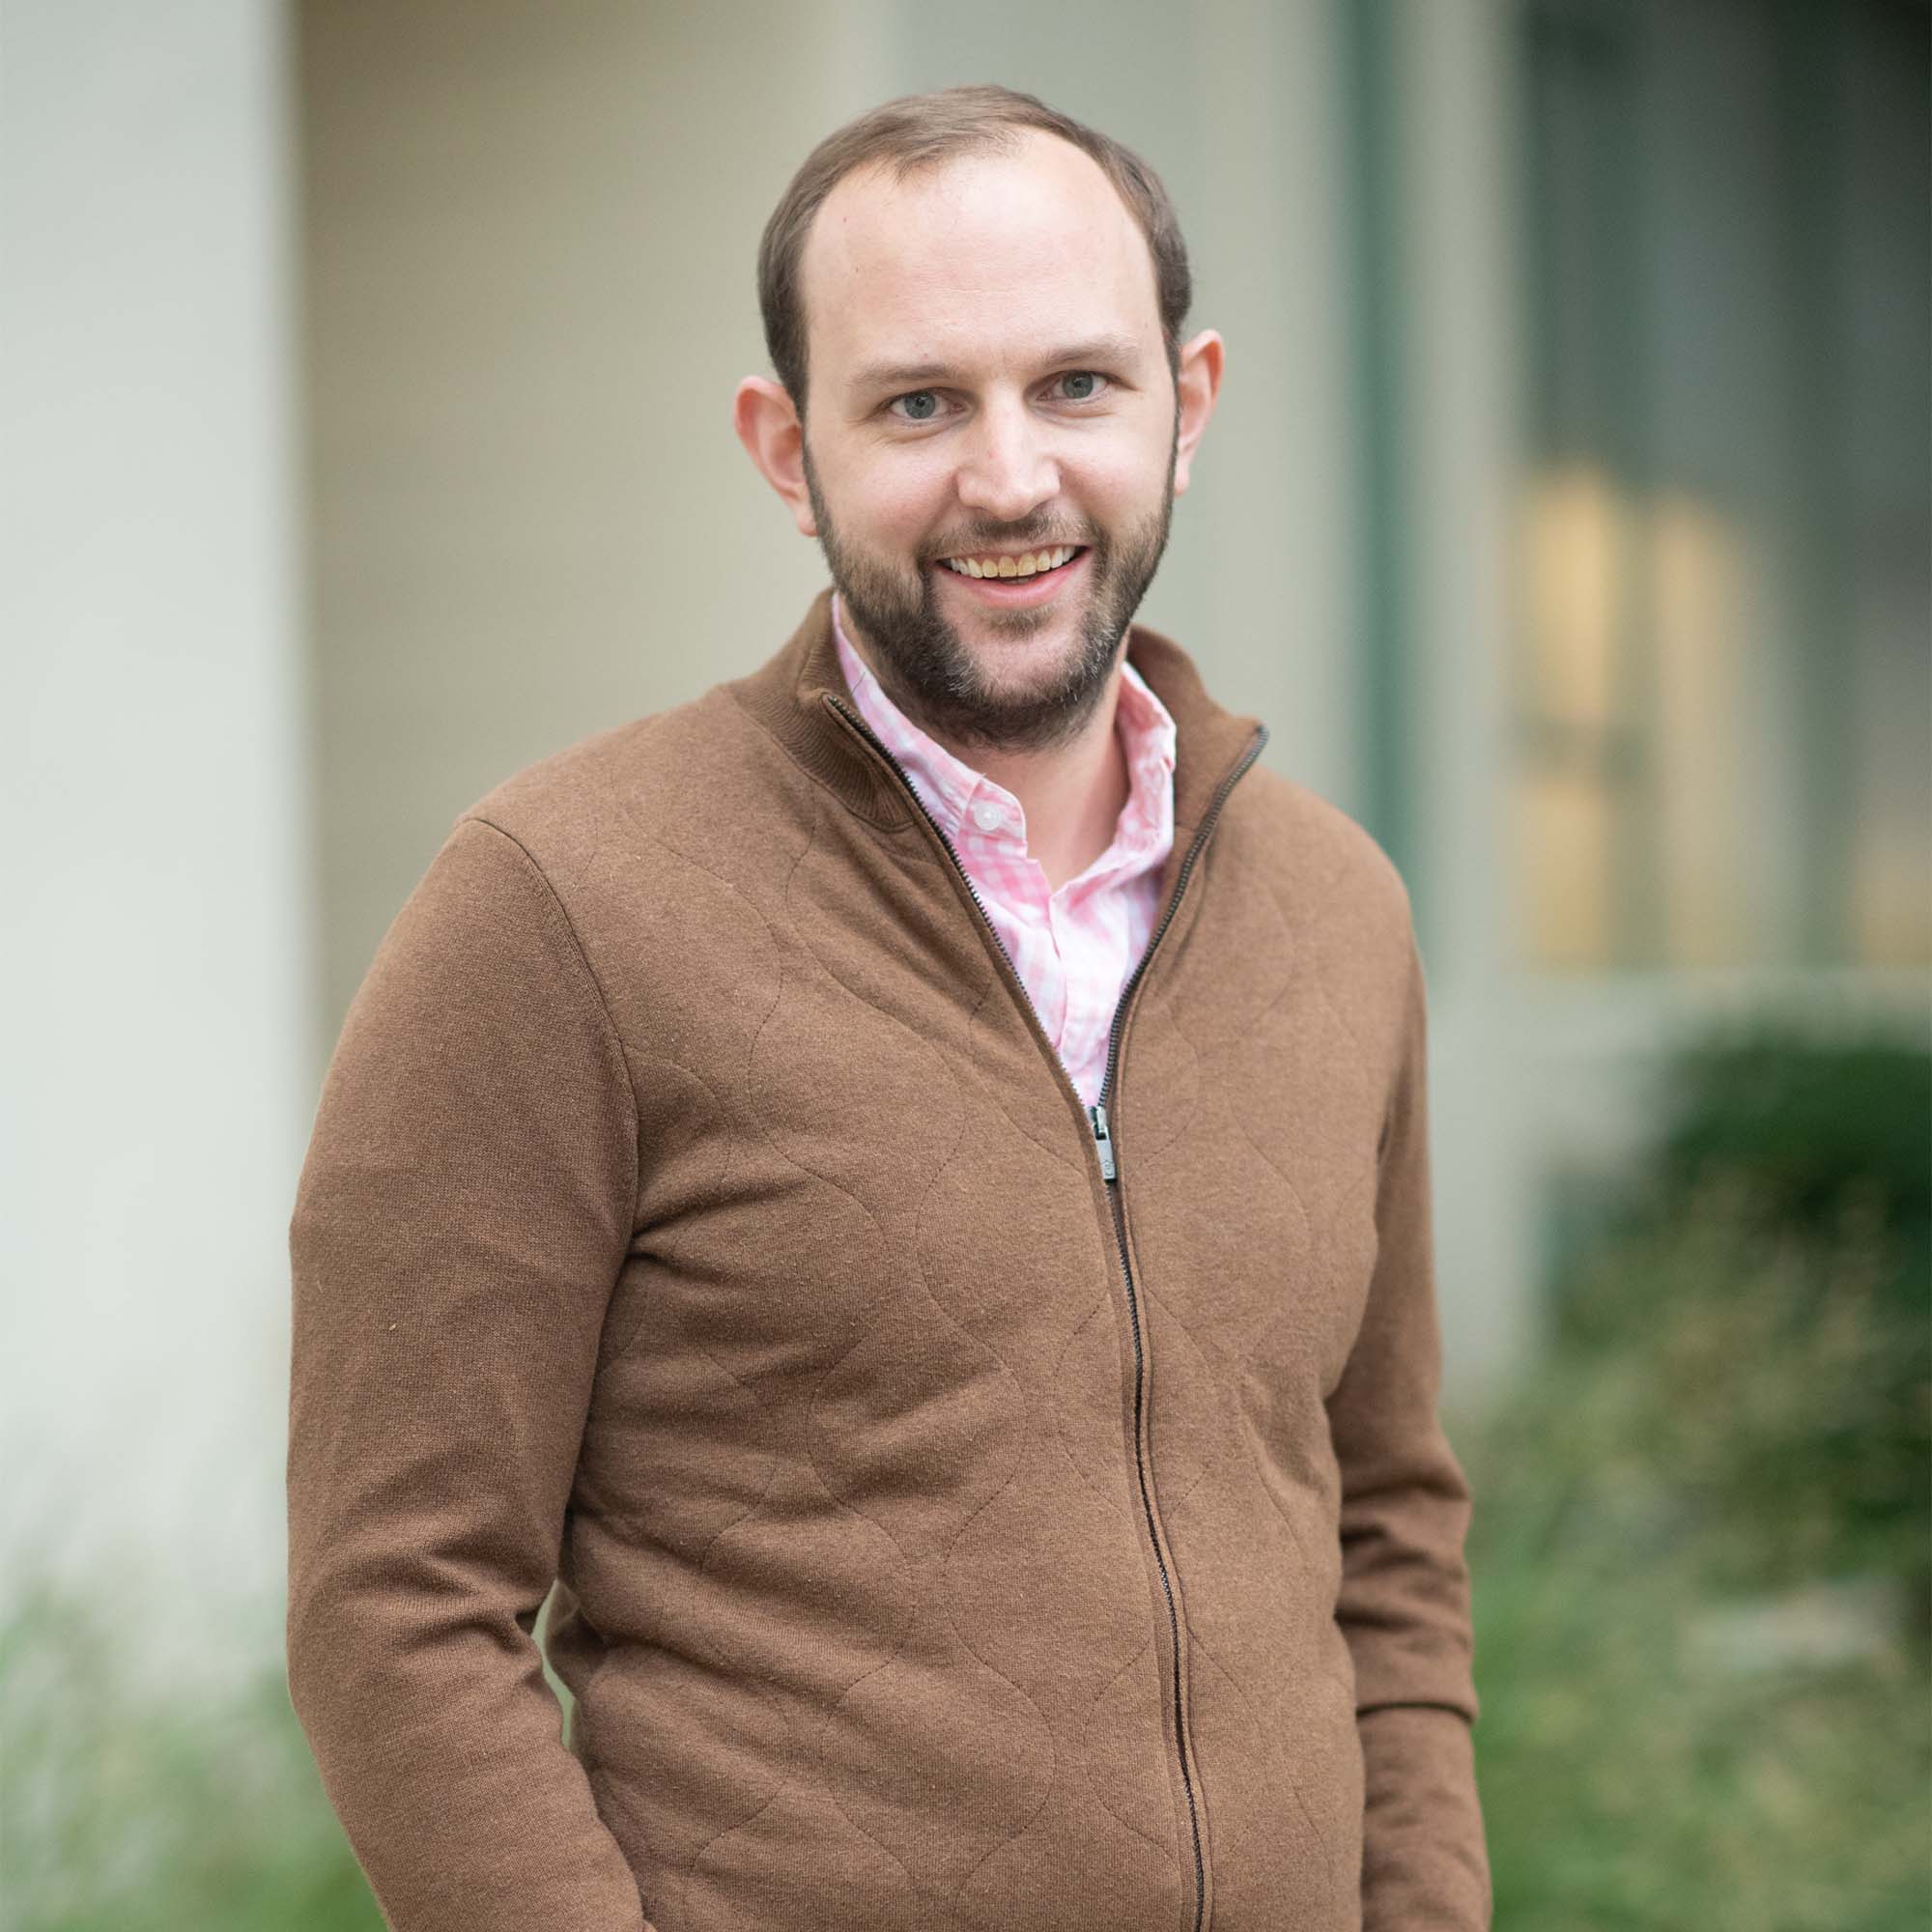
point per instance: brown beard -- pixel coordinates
(931, 676)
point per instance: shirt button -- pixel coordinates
(987, 816)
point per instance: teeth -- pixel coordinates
(1027, 565)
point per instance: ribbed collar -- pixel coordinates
(798, 692)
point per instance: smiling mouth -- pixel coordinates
(1012, 569)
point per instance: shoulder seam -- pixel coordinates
(611, 1034)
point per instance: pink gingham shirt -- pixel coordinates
(1074, 948)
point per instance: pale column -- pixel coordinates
(1462, 389)
(1275, 489)
(156, 943)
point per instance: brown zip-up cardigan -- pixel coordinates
(966, 1511)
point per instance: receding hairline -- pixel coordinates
(1006, 141)
(932, 130)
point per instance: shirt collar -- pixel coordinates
(950, 788)
(800, 698)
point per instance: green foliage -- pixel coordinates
(1803, 1173)
(133, 1811)
(1810, 1122)
(1699, 1552)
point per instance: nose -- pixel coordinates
(1008, 472)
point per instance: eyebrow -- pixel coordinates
(1116, 348)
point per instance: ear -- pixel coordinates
(1199, 383)
(768, 426)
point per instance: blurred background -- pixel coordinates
(1567, 515)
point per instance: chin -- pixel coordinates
(1055, 643)
(1029, 669)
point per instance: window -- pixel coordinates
(1722, 723)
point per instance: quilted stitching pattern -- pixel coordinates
(858, 1599)
(907, 1179)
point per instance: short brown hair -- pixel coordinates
(924, 130)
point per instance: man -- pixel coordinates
(901, 1186)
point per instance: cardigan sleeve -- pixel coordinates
(1405, 1601)
(462, 1215)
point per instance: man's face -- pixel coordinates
(988, 378)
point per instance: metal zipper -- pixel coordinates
(1103, 1141)
(1109, 1152)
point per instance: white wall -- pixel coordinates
(156, 949)
(531, 235)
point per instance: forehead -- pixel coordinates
(977, 263)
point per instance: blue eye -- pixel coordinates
(920, 396)
(1087, 376)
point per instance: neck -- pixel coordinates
(1073, 793)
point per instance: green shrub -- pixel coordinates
(136, 1812)
(1699, 1551)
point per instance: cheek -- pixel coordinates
(894, 505)
(1118, 486)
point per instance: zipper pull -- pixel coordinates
(1103, 1141)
